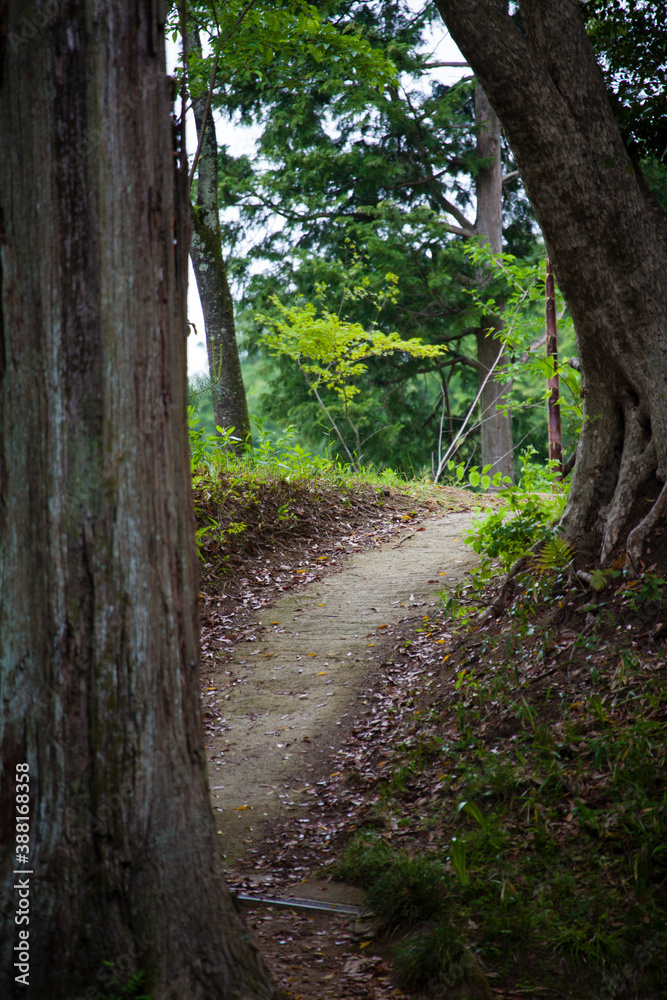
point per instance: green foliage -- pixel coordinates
(365, 860)
(124, 988)
(205, 448)
(458, 856)
(348, 165)
(333, 353)
(634, 70)
(477, 478)
(434, 956)
(402, 892)
(520, 286)
(504, 535)
(568, 850)
(270, 40)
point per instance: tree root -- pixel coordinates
(638, 463)
(638, 535)
(502, 601)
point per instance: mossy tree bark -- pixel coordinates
(607, 239)
(496, 431)
(99, 649)
(230, 405)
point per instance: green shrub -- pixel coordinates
(365, 859)
(433, 956)
(402, 892)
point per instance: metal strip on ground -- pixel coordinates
(347, 909)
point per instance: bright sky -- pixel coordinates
(241, 140)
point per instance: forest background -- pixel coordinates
(360, 204)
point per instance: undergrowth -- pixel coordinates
(265, 499)
(538, 763)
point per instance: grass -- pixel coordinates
(539, 762)
(277, 494)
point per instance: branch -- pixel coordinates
(533, 347)
(305, 216)
(313, 387)
(444, 203)
(439, 65)
(443, 461)
(468, 233)
(510, 176)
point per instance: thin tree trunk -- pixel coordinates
(496, 433)
(99, 647)
(230, 406)
(553, 399)
(607, 240)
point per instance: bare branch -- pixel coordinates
(439, 65)
(468, 233)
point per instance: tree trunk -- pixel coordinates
(553, 386)
(496, 433)
(607, 239)
(230, 406)
(99, 648)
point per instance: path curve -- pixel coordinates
(286, 700)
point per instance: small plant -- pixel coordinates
(477, 478)
(408, 892)
(458, 857)
(435, 956)
(125, 988)
(401, 891)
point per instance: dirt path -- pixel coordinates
(281, 704)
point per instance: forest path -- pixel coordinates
(286, 702)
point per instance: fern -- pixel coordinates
(554, 555)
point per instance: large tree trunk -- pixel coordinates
(230, 406)
(496, 432)
(99, 648)
(607, 239)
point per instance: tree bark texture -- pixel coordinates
(99, 648)
(607, 239)
(496, 430)
(230, 406)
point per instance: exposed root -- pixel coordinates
(504, 598)
(638, 535)
(638, 463)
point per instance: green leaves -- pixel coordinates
(331, 351)
(458, 855)
(478, 479)
(472, 810)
